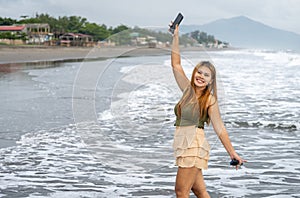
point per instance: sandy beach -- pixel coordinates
(17, 54)
(33, 54)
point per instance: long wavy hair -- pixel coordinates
(202, 102)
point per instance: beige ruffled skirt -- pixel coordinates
(191, 148)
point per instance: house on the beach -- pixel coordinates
(11, 34)
(138, 40)
(13, 28)
(36, 33)
(76, 39)
(39, 33)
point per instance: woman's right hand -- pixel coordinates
(176, 31)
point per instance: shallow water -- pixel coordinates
(105, 128)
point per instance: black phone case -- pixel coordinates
(176, 21)
(234, 162)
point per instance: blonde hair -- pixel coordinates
(204, 100)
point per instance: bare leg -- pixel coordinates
(199, 188)
(185, 179)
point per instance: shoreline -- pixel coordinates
(31, 54)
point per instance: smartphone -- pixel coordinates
(176, 21)
(234, 162)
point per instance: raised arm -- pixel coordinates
(218, 125)
(178, 71)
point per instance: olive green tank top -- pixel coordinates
(189, 117)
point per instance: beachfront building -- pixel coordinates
(137, 40)
(76, 39)
(35, 33)
(13, 28)
(38, 33)
(12, 34)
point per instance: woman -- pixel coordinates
(198, 105)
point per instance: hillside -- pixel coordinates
(244, 32)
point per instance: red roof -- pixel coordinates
(12, 28)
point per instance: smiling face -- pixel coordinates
(202, 77)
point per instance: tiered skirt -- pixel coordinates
(191, 148)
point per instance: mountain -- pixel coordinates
(246, 33)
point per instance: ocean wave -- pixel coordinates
(284, 126)
(86, 157)
(286, 58)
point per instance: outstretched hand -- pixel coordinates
(176, 29)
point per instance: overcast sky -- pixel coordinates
(282, 14)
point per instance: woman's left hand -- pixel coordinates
(237, 157)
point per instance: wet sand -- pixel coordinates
(32, 54)
(16, 54)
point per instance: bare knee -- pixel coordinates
(184, 181)
(200, 192)
(182, 192)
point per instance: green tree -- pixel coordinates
(98, 32)
(202, 37)
(119, 28)
(7, 21)
(75, 23)
(195, 35)
(121, 38)
(210, 39)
